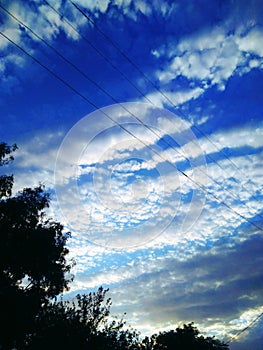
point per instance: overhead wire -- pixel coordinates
(94, 47)
(63, 81)
(125, 56)
(251, 324)
(62, 56)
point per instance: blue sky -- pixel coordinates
(146, 124)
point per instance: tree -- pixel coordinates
(81, 324)
(69, 324)
(6, 182)
(184, 338)
(33, 266)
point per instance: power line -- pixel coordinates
(116, 101)
(55, 75)
(251, 324)
(164, 95)
(99, 52)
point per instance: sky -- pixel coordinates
(144, 120)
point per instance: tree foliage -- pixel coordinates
(183, 338)
(33, 265)
(82, 324)
(6, 182)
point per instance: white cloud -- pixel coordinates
(98, 5)
(115, 200)
(244, 136)
(132, 8)
(122, 203)
(252, 41)
(216, 218)
(12, 33)
(45, 21)
(173, 98)
(143, 7)
(211, 56)
(35, 160)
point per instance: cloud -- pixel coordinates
(200, 288)
(127, 192)
(252, 337)
(173, 98)
(13, 33)
(185, 282)
(251, 42)
(134, 9)
(113, 189)
(213, 224)
(44, 21)
(94, 6)
(211, 56)
(35, 159)
(226, 144)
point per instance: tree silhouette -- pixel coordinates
(81, 324)
(33, 263)
(183, 338)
